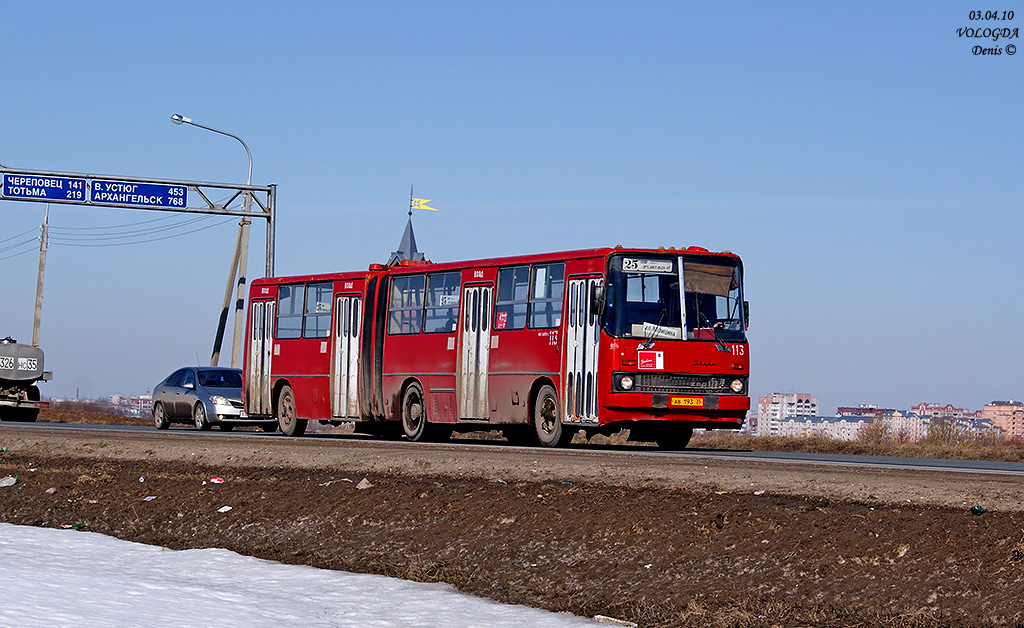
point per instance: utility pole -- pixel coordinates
(43, 243)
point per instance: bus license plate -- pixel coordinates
(686, 402)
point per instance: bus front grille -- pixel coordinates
(681, 383)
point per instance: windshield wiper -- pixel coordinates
(714, 332)
(649, 342)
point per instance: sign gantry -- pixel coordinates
(99, 190)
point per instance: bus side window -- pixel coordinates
(405, 314)
(317, 319)
(512, 298)
(289, 311)
(546, 296)
(442, 302)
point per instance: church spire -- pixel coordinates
(407, 250)
(407, 247)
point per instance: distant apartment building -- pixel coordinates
(939, 411)
(1007, 416)
(864, 409)
(136, 406)
(141, 406)
(908, 426)
(835, 428)
(903, 425)
(984, 427)
(779, 406)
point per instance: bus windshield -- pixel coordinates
(644, 300)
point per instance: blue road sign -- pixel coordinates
(38, 187)
(138, 194)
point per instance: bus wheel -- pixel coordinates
(414, 415)
(414, 418)
(548, 420)
(673, 437)
(199, 417)
(290, 424)
(160, 417)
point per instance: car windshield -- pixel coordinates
(644, 300)
(220, 379)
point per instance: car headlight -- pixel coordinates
(626, 383)
(737, 386)
(220, 401)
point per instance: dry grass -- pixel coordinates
(962, 449)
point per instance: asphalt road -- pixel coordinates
(922, 464)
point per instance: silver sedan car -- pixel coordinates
(201, 395)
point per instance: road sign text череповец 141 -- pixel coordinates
(39, 187)
(101, 192)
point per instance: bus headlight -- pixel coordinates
(626, 383)
(737, 386)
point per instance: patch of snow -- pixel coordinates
(83, 579)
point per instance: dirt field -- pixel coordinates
(657, 540)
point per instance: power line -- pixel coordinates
(20, 234)
(168, 237)
(130, 224)
(16, 254)
(62, 235)
(26, 251)
(22, 243)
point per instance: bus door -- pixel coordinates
(582, 336)
(474, 351)
(261, 351)
(371, 345)
(345, 363)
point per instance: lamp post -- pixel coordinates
(238, 263)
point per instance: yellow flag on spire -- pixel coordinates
(421, 203)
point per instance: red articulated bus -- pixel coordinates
(538, 346)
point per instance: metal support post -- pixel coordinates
(243, 256)
(223, 320)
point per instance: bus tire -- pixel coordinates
(199, 417)
(414, 417)
(673, 437)
(415, 425)
(160, 417)
(547, 419)
(290, 424)
(414, 413)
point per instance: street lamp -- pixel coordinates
(179, 119)
(239, 261)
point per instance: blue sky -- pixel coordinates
(865, 165)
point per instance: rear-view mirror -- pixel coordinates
(598, 300)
